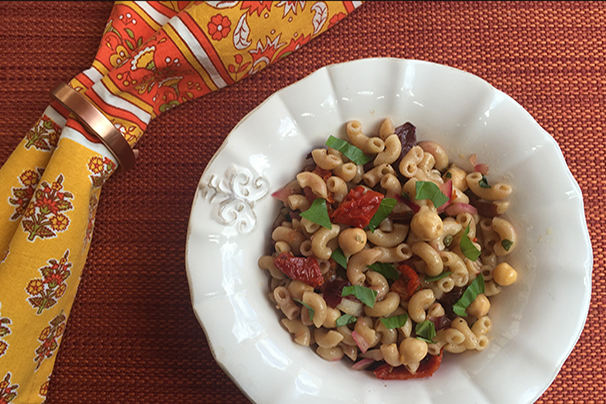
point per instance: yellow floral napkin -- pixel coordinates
(153, 57)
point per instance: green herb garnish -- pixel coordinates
(346, 319)
(350, 151)
(484, 182)
(447, 240)
(467, 247)
(385, 269)
(362, 293)
(310, 309)
(339, 257)
(437, 277)
(318, 213)
(448, 175)
(429, 190)
(426, 331)
(395, 321)
(470, 294)
(385, 208)
(506, 244)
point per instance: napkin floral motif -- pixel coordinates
(8, 391)
(49, 337)
(51, 287)
(4, 331)
(21, 196)
(44, 388)
(44, 218)
(44, 135)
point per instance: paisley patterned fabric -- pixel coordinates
(153, 56)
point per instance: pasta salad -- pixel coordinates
(386, 253)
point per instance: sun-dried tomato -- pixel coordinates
(407, 284)
(399, 287)
(411, 278)
(358, 207)
(426, 369)
(324, 174)
(309, 194)
(304, 269)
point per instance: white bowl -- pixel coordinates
(537, 321)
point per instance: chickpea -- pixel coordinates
(426, 224)
(504, 274)
(479, 307)
(412, 350)
(352, 241)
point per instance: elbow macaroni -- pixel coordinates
(426, 239)
(369, 145)
(320, 239)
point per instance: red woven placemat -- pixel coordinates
(132, 336)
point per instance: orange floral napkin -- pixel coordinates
(153, 57)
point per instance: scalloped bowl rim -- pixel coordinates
(223, 302)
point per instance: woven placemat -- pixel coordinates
(132, 336)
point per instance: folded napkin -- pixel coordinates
(153, 57)
(130, 24)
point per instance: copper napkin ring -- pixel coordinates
(96, 124)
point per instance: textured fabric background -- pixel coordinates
(132, 336)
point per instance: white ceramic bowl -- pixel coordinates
(536, 322)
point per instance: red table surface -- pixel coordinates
(132, 336)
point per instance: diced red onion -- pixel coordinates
(283, 194)
(481, 168)
(456, 208)
(413, 206)
(360, 341)
(408, 138)
(446, 189)
(362, 364)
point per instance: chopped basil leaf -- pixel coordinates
(470, 294)
(506, 244)
(448, 175)
(310, 309)
(395, 321)
(437, 277)
(318, 213)
(426, 331)
(385, 269)
(346, 319)
(362, 293)
(350, 151)
(467, 247)
(484, 182)
(429, 190)
(339, 257)
(385, 208)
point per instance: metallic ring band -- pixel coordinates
(96, 124)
